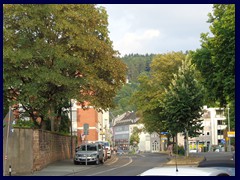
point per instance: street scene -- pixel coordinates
(123, 165)
(119, 90)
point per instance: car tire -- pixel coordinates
(97, 161)
(103, 160)
(76, 163)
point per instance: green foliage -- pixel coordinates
(54, 53)
(216, 58)
(134, 139)
(149, 94)
(137, 64)
(178, 150)
(65, 124)
(24, 124)
(183, 101)
(123, 99)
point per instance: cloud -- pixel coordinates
(136, 41)
(156, 28)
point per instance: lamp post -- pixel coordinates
(229, 139)
(71, 145)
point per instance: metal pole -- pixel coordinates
(7, 138)
(10, 170)
(229, 139)
(71, 129)
(86, 150)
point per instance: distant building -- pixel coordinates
(123, 126)
(98, 123)
(213, 130)
(121, 129)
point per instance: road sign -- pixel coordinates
(85, 128)
(231, 133)
(164, 133)
(83, 136)
(223, 141)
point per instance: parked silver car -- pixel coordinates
(106, 144)
(88, 153)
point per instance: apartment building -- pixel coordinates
(98, 123)
(213, 130)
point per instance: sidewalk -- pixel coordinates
(63, 168)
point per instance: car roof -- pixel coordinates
(90, 144)
(183, 171)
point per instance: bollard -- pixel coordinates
(10, 170)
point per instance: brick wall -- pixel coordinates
(30, 150)
(89, 116)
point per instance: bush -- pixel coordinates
(24, 124)
(180, 149)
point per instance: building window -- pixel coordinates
(220, 132)
(219, 113)
(221, 122)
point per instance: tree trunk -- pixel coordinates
(160, 143)
(51, 117)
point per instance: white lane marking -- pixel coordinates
(116, 159)
(113, 168)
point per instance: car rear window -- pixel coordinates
(89, 148)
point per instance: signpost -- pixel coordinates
(231, 134)
(86, 131)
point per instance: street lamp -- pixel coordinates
(229, 140)
(71, 146)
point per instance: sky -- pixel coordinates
(156, 28)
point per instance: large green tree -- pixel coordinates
(216, 58)
(54, 53)
(183, 102)
(149, 95)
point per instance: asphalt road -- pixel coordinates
(125, 165)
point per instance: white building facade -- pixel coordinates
(213, 131)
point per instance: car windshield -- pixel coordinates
(106, 143)
(89, 148)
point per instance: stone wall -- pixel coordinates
(30, 150)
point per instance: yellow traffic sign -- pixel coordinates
(231, 133)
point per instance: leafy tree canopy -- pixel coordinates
(183, 101)
(216, 59)
(54, 53)
(149, 95)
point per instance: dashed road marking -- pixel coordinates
(113, 168)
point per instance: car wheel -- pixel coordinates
(103, 160)
(76, 163)
(97, 161)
